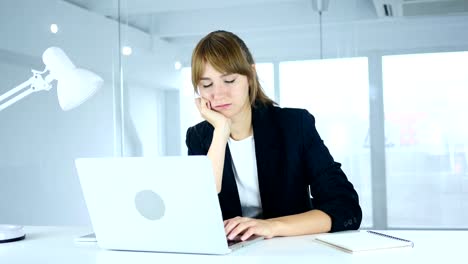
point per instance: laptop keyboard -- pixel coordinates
(237, 240)
(233, 242)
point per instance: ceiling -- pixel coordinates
(183, 22)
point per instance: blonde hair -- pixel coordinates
(227, 53)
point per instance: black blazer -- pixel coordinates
(291, 158)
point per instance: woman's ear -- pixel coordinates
(253, 67)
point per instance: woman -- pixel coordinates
(267, 161)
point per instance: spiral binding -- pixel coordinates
(391, 237)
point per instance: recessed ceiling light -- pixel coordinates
(54, 28)
(178, 65)
(127, 51)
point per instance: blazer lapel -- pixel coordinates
(229, 195)
(267, 151)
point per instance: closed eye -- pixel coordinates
(229, 81)
(207, 85)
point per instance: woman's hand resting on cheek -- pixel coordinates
(217, 120)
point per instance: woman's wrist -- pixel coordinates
(223, 130)
(275, 227)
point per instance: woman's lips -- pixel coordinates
(222, 106)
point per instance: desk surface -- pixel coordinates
(56, 245)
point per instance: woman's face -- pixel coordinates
(228, 93)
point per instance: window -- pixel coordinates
(336, 92)
(266, 76)
(425, 102)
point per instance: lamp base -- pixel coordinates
(11, 233)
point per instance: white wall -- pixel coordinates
(172, 123)
(189, 114)
(38, 141)
(144, 121)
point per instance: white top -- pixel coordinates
(244, 166)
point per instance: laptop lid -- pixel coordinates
(165, 204)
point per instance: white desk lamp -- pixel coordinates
(74, 86)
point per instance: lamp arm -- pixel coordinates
(35, 83)
(16, 89)
(16, 98)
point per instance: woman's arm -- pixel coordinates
(216, 155)
(332, 192)
(222, 129)
(311, 222)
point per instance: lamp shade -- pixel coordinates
(77, 87)
(74, 85)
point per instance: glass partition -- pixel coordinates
(38, 140)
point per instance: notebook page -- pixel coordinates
(362, 241)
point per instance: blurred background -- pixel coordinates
(385, 79)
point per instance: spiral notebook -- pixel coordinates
(359, 241)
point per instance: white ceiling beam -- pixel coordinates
(135, 7)
(255, 19)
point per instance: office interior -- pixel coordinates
(386, 81)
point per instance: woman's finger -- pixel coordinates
(247, 234)
(240, 228)
(233, 222)
(205, 105)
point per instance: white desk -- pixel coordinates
(56, 245)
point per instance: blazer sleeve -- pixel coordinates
(194, 142)
(331, 191)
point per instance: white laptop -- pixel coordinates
(163, 204)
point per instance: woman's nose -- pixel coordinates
(219, 89)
